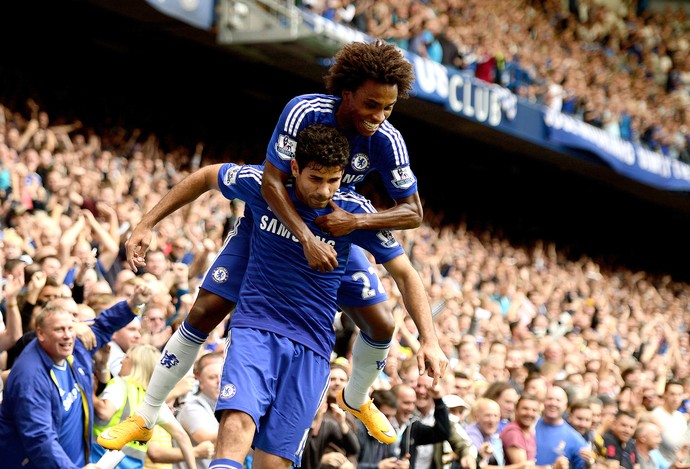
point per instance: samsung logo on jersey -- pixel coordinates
(273, 225)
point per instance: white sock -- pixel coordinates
(368, 359)
(178, 358)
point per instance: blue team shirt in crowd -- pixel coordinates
(559, 440)
(302, 304)
(72, 413)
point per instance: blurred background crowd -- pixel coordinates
(615, 64)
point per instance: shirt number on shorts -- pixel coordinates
(370, 282)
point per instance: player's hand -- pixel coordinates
(337, 223)
(137, 245)
(432, 361)
(320, 256)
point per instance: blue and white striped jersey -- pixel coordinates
(280, 292)
(384, 152)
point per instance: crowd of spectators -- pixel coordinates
(615, 64)
(529, 331)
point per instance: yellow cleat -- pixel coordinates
(377, 424)
(131, 429)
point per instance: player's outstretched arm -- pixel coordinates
(182, 193)
(320, 256)
(430, 357)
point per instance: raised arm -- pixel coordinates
(13, 321)
(320, 256)
(182, 193)
(430, 357)
(109, 217)
(108, 245)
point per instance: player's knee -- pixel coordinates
(208, 311)
(385, 329)
(380, 322)
(234, 422)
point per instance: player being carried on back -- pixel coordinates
(365, 82)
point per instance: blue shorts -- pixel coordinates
(279, 383)
(360, 285)
(224, 277)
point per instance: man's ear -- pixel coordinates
(294, 167)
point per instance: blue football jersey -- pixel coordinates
(280, 293)
(384, 152)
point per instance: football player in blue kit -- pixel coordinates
(366, 81)
(278, 362)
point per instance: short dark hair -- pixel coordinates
(378, 61)
(321, 146)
